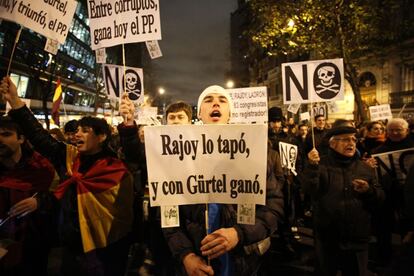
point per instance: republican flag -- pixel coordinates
(104, 201)
(57, 98)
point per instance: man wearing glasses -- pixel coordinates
(344, 193)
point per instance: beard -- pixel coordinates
(5, 151)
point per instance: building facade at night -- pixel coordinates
(35, 71)
(382, 78)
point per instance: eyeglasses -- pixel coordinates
(347, 140)
(398, 130)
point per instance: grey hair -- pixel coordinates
(397, 121)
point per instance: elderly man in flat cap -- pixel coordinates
(344, 193)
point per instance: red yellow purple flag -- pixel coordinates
(57, 98)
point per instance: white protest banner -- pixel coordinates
(288, 155)
(153, 48)
(304, 116)
(190, 164)
(119, 22)
(51, 46)
(293, 108)
(313, 81)
(100, 55)
(249, 105)
(114, 80)
(380, 112)
(147, 116)
(51, 18)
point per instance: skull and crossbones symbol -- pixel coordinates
(132, 84)
(326, 75)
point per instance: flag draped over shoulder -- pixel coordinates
(103, 202)
(57, 98)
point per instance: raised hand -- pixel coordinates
(8, 92)
(127, 110)
(313, 157)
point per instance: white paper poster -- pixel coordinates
(313, 81)
(288, 156)
(51, 46)
(100, 55)
(51, 18)
(380, 112)
(249, 105)
(119, 22)
(154, 49)
(190, 164)
(293, 108)
(304, 116)
(117, 81)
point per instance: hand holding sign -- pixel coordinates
(9, 93)
(127, 110)
(313, 157)
(219, 242)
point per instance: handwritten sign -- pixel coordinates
(380, 112)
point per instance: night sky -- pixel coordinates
(195, 46)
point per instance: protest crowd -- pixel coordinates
(215, 197)
(77, 196)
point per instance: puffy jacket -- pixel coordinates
(187, 238)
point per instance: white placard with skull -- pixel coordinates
(116, 83)
(313, 81)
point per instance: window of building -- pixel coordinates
(407, 77)
(21, 84)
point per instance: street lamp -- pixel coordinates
(161, 91)
(230, 84)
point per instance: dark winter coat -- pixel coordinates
(341, 215)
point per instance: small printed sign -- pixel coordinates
(100, 55)
(304, 116)
(380, 112)
(293, 108)
(246, 214)
(170, 216)
(154, 49)
(52, 46)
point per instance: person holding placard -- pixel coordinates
(231, 248)
(319, 131)
(95, 192)
(148, 230)
(345, 192)
(392, 175)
